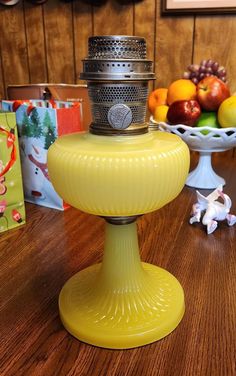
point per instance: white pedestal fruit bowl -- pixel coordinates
(204, 140)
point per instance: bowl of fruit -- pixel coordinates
(200, 109)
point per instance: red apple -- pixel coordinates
(211, 92)
(184, 112)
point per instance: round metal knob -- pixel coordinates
(119, 116)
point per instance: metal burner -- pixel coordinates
(118, 72)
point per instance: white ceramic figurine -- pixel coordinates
(213, 210)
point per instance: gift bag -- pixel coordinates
(39, 123)
(62, 92)
(12, 209)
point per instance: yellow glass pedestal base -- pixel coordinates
(122, 302)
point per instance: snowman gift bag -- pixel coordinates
(12, 209)
(39, 124)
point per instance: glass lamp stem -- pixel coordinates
(121, 266)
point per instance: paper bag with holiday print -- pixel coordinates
(12, 209)
(39, 124)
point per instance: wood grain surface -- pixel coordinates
(13, 45)
(59, 40)
(83, 29)
(173, 47)
(2, 81)
(213, 39)
(34, 27)
(114, 17)
(38, 258)
(47, 42)
(145, 26)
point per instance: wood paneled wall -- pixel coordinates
(45, 43)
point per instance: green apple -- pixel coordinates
(207, 119)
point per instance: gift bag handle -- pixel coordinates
(50, 93)
(47, 95)
(50, 96)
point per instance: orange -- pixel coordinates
(227, 112)
(181, 89)
(160, 113)
(157, 97)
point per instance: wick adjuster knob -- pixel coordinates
(119, 116)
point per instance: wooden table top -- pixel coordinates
(38, 258)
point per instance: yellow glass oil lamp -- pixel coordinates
(119, 170)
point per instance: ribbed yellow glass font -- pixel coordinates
(118, 176)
